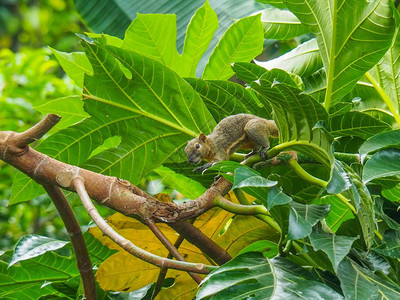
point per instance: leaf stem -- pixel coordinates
(319, 182)
(331, 62)
(267, 219)
(384, 97)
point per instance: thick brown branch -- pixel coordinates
(126, 244)
(75, 234)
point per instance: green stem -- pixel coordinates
(319, 182)
(306, 176)
(238, 208)
(384, 97)
(267, 219)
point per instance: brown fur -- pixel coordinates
(242, 131)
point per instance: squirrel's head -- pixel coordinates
(197, 149)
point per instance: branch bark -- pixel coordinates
(75, 234)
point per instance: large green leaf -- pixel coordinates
(296, 115)
(154, 118)
(355, 123)
(242, 42)
(153, 35)
(281, 24)
(360, 283)
(198, 37)
(114, 16)
(164, 113)
(385, 76)
(335, 246)
(252, 275)
(340, 26)
(382, 164)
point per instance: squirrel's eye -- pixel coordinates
(197, 146)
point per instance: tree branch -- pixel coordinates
(170, 247)
(126, 244)
(78, 243)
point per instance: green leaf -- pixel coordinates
(251, 274)
(360, 283)
(296, 115)
(303, 217)
(335, 246)
(267, 248)
(34, 245)
(198, 37)
(380, 141)
(382, 164)
(154, 118)
(24, 189)
(186, 169)
(25, 281)
(153, 35)
(75, 64)
(339, 180)
(115, 17)
(338, 213)
(362, 201)
(357, 25)
(241, 42)
(248, 72)
(385, 76)
(277, 197)
(70, 109)
(303, 60)
(188, 187)
(246, 177)
(355, 123)
(225, 98)
(390, 244)
(281, 24)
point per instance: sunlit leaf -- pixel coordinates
(34, 245)
(241, 42)
(281, 24)
(355, 25)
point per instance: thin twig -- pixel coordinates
(78, 243)
(170, 247)
(126, 244)
(164, 270)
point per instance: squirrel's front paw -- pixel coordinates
(263, 154)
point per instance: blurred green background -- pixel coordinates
(29, 76)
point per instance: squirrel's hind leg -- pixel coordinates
(257, 132)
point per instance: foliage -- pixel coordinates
(333, 232)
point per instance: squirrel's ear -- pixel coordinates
(202, 137)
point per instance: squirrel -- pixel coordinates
(244, 131)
